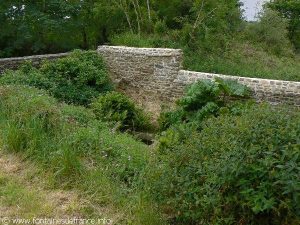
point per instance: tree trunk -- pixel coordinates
(149, 11)
(137, 16)
(125, 10)
(85, 39)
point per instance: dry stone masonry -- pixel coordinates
(145, 74)
(273, 91)
(153, 77)
(14, 63)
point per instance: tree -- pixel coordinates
(34, 27)
(271, 32)
(289, 9)
(209, 23)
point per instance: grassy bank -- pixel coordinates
(25, 193)
(78, 151)
(218, 158)
(177, 181)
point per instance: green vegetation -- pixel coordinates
(204, 99)
(81, 79)
(239, 165)
(13, 194)
(37, 124)
(289, 9)
(238, 169)
(116, 107)
(75, 79)
(224, 159)
(213, 34)
(219, 158)
(213, 44)
(83, 154)
(25, 194)
(261, 49)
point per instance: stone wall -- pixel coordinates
(273, 91)
(145, 74)
(14, 63)
(153, 77)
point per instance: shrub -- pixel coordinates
(117, 108)
(203, 99)
(271, 32)
(219, 92)
(160, 27)
(238, 170)
(77, 79)
(27, 75)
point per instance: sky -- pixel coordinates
(252, 7)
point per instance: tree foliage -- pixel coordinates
(32, 27)
(213, 34)
(289, 9)
(271, 32)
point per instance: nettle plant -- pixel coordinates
(239, 169)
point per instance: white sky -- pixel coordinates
(252, 7)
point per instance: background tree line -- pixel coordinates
(40, 26)
(212, 33)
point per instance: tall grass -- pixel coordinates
(245, 60)
(80, 151)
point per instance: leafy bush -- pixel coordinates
(203, 99)
(77, 79)
(116, 107)
(238, 170)
(289, 10)
(271, 32)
